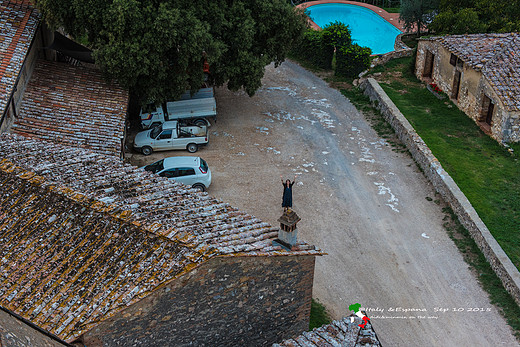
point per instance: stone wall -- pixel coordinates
(448, 189)
(513, 129)
(401, 50)
(15, 332)
(228, 301)
(505, 125)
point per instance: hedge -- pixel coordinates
(352, 60)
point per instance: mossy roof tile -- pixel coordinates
(69, 260)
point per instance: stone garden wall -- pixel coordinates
(401, 50)
(448, 189)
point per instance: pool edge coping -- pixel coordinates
(391, 18)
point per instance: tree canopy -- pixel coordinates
(157, 47)
(417, 13)
(476, 16)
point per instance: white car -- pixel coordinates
(192, 171)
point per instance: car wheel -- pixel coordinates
(147, 150)
(200, 187)
(200, 122)
(192, 147)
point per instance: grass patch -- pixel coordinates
(485, 171)
(482, 269)
(319, 315)
(392, 9)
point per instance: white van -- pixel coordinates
(193, 109)
(192, 171)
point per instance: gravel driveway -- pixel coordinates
(366, 205)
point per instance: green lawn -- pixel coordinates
(319, 315)
(391, 9)
(485, 171)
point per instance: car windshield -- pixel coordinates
(155, 131)
(203, 165)
(155, 167)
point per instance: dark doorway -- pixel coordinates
(456, 85)
(488, 107)
(428, 64)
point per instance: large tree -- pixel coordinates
(157, 47)
(473, 16)
(416, 14)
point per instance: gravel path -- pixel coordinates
(360, 201)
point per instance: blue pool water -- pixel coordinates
(368, 28)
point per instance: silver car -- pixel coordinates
(192, 171)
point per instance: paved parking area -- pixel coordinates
(360, 201)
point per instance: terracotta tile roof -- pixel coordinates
(163, 206)
(496, 55)
(73, 105)
(83, 235)
(339, 333)
(68, 261)
(18, 23)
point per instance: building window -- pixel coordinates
(460, 63)
(456, 61)
(453, 59)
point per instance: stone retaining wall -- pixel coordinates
(401, 50)
(448, 189)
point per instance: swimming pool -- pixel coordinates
(368, 28)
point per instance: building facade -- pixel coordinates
(480, 74)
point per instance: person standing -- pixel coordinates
(287, 193)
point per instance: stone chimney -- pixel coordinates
(288, 233)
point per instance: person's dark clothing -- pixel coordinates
(287, 194)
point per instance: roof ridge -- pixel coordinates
(6, 60)
(109, 210)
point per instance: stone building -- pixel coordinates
(54, 101)
(97, 252)
(481, 74)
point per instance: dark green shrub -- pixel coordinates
(318, 47)
(352, 60)
(312, 48)
(319, 315)
(336, 35)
